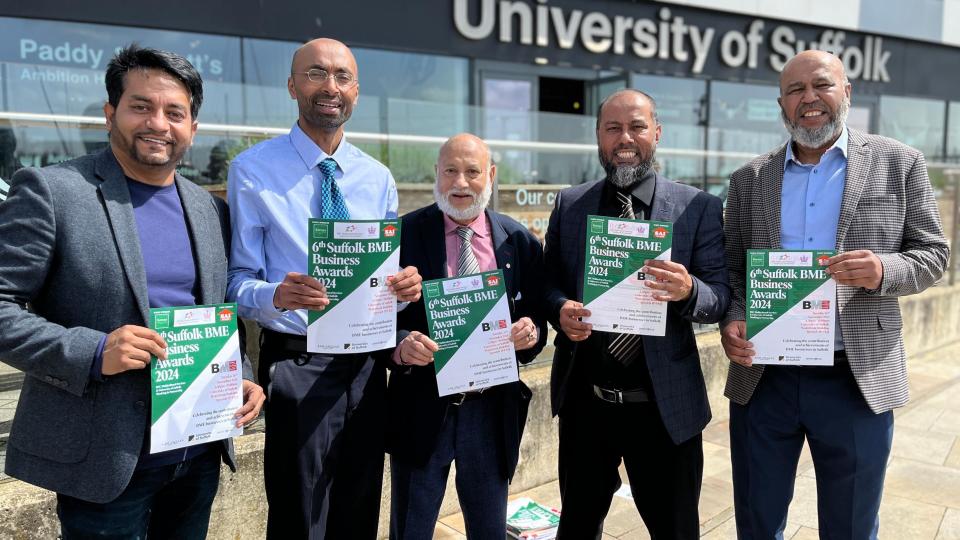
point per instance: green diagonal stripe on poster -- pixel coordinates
(616, 248)
(457, 306)
(614, 281)
(343, 255)
(778, 280)
(195, 336)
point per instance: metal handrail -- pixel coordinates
(362, 136)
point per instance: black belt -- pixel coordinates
(288, 342)
(458, 399)
(840, 357)
(637, 395)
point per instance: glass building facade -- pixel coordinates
(538, 116)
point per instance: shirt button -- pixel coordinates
(810, 239)
(816, 170)
(812, 205)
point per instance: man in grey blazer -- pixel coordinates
(644, 402)
(869, 198)
(88, 247)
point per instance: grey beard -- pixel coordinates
(821, 136)
(626, 177)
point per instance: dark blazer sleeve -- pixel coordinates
(710, 297)
(529, 283)
(45, 350)
(554, 297)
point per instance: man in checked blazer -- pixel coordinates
(88, 247)
(646, 404)
(869, 198)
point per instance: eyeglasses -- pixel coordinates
(343, 79)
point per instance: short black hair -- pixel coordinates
(134, 57)
(653, 103)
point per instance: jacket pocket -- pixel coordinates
(53, 424)
(889, 319)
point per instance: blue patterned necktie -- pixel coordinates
(332, 205)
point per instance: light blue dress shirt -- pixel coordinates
(810, 202)
(272, 189)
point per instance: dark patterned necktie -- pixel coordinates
(624, 346)
(332, 205)
(467, 261)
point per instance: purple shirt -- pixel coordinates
(171, 271)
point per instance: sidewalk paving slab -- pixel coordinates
(921, 492)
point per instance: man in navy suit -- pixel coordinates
(642, 400)
(480, 430)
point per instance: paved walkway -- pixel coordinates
(921, 498)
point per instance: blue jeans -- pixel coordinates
(171, 501)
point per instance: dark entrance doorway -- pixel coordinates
(566, 96)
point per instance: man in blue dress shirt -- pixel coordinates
(323, 459)
(868, 198)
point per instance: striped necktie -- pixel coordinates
(332, 205)
(466, 261)
(623, 347)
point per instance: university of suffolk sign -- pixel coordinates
(665, 36)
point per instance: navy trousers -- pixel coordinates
(167, 502)
(472, 436)
(324, 444)
(848, 442)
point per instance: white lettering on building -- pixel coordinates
(668, 37)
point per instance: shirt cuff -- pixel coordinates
(263, 297)
(96, 368)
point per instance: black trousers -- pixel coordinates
(665, 477)
(324, 449)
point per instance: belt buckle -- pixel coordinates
(618, 394)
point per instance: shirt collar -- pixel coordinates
(840, 144)
(479, 225)
(311, 154)
(642, 190)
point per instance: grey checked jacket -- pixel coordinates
(888, 207)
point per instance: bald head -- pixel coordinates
(325, 103)
(465, 144)
(809, 61)
(465, 175)
(814, 102)
(304, 57)
(631, 96)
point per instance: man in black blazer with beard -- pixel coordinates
(479, 430)
(647, 403)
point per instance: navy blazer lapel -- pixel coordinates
(858, 169)
(116, 199)
(434, 243)
(663, 205)
(503, 251)
(769, 192)
(589, 204)
(201, 222)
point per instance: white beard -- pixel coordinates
(480, 201)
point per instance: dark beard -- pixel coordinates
(627, 176)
